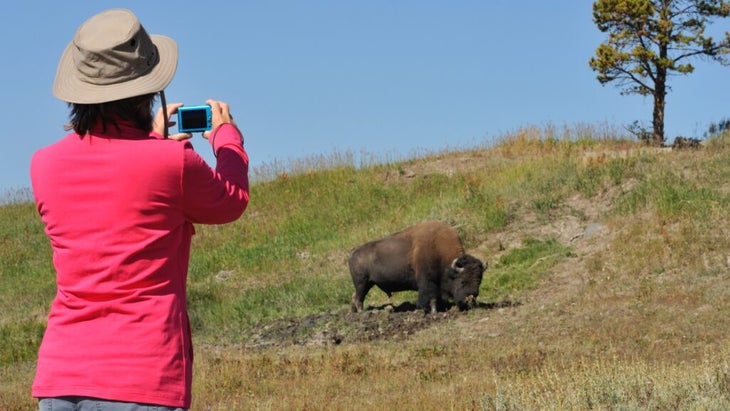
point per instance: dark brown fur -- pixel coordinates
(428, 257)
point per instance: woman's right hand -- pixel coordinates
(221, 115)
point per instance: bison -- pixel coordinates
(427, 257)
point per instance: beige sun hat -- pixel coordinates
(111, 58)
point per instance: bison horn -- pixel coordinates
(457, 266)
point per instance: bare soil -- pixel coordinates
(385, 322)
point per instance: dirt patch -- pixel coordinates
(344, 327)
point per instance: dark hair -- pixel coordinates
(138, 110)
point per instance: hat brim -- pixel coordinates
(68, 87)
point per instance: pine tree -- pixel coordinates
(650, 40)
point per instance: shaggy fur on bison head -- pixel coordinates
(463, 279)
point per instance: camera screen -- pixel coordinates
(192, 119)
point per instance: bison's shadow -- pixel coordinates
(410, 307)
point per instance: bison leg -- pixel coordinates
(428, 296)
(356, 304)
(358, 297)
(434, 305)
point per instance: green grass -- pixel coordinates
(636, 320)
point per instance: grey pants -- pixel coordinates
(94, 404)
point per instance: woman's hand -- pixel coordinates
(221, 115)
(159, 127)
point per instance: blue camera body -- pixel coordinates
(194, 118)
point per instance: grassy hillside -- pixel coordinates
(608, 284)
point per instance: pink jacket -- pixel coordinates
(119, 209)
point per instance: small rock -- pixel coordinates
(223, 275)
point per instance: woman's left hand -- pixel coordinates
(159, 127)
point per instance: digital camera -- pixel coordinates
(194, 118)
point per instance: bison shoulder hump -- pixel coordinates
(436, 237)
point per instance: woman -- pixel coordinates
(118, 200)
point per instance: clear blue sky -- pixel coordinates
(383, 77)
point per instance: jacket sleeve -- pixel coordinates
(221, 195)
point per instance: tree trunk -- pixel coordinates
(660, 82)
(658, 119)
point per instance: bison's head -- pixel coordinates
(465, 275)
